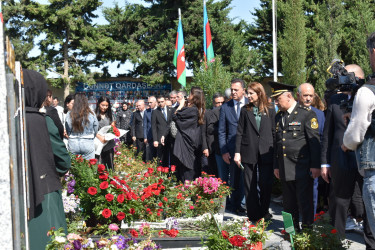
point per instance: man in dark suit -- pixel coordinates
(297, 153)
(137, 127)
(228, 120)
(210, 141)
(150, 151)
(305, 96)
(341, 166)
(160, 120)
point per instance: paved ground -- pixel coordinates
(276, 240)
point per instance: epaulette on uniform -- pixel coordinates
(303, 107)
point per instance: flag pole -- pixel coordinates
(179, 13)
(274, 40)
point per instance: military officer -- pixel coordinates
(297, 153)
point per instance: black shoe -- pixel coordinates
(268, 217)
(241, 212)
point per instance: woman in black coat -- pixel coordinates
(188, 144)
(254, 150)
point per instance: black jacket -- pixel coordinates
(123, 119)
(251, 142)
(343, 164)
(297, 144)
(160, 126)
(188, 143)
(210, 139)
(137, 125)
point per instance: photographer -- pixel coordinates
(360, 135)
(341, 166)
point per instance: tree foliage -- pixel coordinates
(146, 36)
(59, 30)
(212, 79)
(293, 43)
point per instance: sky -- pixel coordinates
(241, 9)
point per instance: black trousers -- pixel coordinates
(139, 143)
(338, 209)
(298, 199)
(258, 180)
(163, 154)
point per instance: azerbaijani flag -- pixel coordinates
(179, 55)
(207, 40)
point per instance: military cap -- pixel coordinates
(278, 88)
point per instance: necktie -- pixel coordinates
(165, 114)
(285, 114)
(238, 109)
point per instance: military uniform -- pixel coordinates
(297, 150)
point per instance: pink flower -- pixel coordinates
(113, 227)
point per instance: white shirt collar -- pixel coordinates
(290, 110)
(242, 101)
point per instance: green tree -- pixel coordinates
(324, 32)
(146, 35)
(63, 26)
(213, 79)
(293, 42)
(359, 23)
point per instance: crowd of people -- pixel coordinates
(246, 139)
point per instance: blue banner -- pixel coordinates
(121, 86)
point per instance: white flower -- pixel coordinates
(114, 247)
(60, 239)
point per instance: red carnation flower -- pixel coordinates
(165, 199)
(160, 204)
(283, 231)
(120, 216)
(225, 234)
(103, 177)
(173, 168)
(150, 170)
(120, 198)
(106, 213)
(103, 185)
(191, 207)
(134, 233)
(93, 161)
(323, 235)
(333, 231)
(92, 190)
(109, 197)
(101, 168)
(166, 170)
(132, 211)
(237, 240)
(160, 168)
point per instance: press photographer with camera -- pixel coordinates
(360, 136)
(340, 167)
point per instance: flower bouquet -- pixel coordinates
(114, 241)
(207, 192)
(109, 132)
(236, 234)
(322, 235)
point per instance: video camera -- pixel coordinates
(341, 79)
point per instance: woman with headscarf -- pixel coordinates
(48, 159)
(188, 143)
